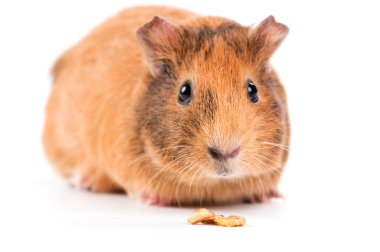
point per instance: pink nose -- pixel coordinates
(218, 155)
(234, 153)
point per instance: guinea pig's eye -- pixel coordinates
(185, 94)
(252, 91)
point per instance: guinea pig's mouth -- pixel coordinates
(224, 170)
(225, 176)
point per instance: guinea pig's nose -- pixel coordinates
(218, 155)
(215, 154)
(234, 153)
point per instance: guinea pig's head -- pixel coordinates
(213, 107)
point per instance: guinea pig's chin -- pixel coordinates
(217, 173)
(225, 176)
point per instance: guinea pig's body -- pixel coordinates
(183, 110)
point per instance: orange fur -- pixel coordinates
(113, 114)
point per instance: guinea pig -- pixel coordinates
(172, 108)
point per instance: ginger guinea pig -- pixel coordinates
(172, 108)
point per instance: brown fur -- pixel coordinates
(116, 120)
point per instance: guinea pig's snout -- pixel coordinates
(219, 155)
(224, 160)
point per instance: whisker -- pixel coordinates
(164, 169)
(282, 146)
(189, 168)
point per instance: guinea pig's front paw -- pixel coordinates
(262, 198)
(94, 181)
(77, 180)
(154, 200)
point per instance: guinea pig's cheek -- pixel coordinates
(154, 155)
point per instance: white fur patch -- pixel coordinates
(75, 180)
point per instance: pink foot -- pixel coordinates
(154, 200)
(84, 184)
(263, 198)
(80, 182)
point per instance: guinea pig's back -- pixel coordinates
(112, 47)
(94, 80)
(106, 66)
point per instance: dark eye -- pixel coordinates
(185, 94)
(252, 91)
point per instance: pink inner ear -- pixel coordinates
(270, 34)
(272, 31)
(158, 39)
(268, 21)
(159, 32)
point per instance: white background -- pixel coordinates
(330, 66)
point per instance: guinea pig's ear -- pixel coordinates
(158, 39)
(267, 36)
